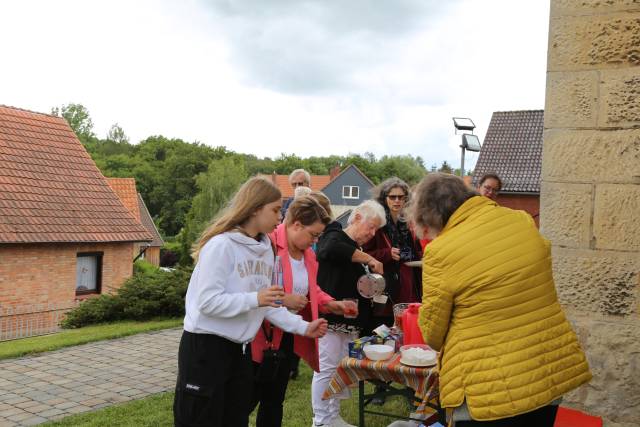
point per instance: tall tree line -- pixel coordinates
(185, 184)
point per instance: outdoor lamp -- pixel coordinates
(469, 140)
(463, 123)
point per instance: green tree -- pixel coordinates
(215, 188)
(410, 169)
(116, 134)
(166, 176)
(78, 118)
(445, 168)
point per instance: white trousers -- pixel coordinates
(332, 348)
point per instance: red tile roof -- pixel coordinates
(318, 182)
(50, 188)
(126, 190)
(147, 221)
(512, 149)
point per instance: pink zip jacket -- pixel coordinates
(306, 348)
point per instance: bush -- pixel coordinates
(143, 266)
(168, 258)
(105, 308)
(143, 296)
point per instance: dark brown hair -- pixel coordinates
(307, 210)
(381, 192)
(491, 175)
(436, 198)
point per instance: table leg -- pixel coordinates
(361, 403)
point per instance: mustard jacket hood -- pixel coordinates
(490, 307)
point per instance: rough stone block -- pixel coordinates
(591, 155)
(613, 352)
(592, 7)
(616, 223)
(594, 42)
(597, 282)
(571, 100)
(567, 213)
(620, 98)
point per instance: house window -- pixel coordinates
(350, 192)
(88, 273)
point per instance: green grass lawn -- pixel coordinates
(156, 411)
(70, 337)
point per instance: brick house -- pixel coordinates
(64, 233)
(512, 149)
(126, 190)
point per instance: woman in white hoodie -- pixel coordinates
(229, 295)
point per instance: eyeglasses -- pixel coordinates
(397, 197)
(315, 236)
(490, 189)
(297, 184)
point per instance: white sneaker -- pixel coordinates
(336, 422)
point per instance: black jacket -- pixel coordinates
(338, 275)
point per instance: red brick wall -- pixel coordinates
(527, 203)
(45, 274)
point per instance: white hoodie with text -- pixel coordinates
(222, 297)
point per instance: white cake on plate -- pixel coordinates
(416, 356)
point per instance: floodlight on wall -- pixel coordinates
(469, 141)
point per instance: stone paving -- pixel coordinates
(53, 385)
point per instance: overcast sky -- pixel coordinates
(267, 77)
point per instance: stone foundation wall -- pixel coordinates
(590, 198)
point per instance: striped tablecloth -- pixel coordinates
(423, 380)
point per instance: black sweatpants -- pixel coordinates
(270, 395)
(542, 417)
(215, 381)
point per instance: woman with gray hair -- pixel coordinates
(394, 244)
(340, 263)
(507, 351)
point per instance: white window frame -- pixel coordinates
(95, 260)
(349, 193)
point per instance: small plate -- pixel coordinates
(417, 365)
(413, 264)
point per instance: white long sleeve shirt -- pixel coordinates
(222, 297)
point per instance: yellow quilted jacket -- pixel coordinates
(490, 307)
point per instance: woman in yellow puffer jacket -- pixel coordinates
(507, 351)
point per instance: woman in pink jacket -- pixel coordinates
(305, 221)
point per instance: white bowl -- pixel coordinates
(378, 351)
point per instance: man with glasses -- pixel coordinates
(297, 178)
(490, 185)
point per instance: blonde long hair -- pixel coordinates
(252, 195)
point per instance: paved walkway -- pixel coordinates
(53, 385)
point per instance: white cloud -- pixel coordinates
(304, 77)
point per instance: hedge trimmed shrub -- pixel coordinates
(144, 296)
(143, 266)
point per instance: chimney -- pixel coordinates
(333, 172)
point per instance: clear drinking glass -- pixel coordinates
(351, 314)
